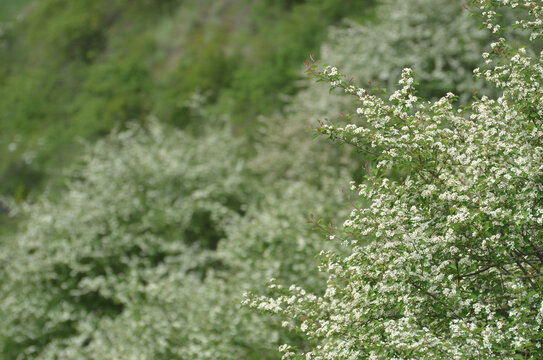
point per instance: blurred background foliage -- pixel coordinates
(78, 69)
(156, 161)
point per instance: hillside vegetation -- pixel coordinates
(157, 162)
(74, 70)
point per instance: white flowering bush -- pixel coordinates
(444, 263)
(147, 251)
(275, 239)
(436, 38)
(183, 317)
(145, 204)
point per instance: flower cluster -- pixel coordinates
(446, 260)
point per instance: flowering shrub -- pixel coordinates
(436, 38)
(145, 205)
(146, 253)
(446, 262)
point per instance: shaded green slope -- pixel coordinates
(76, 69)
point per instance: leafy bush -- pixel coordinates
(445, 263)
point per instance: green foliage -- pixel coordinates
(76, 69)
(114, 92)
(284, 36)
(10, 8)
